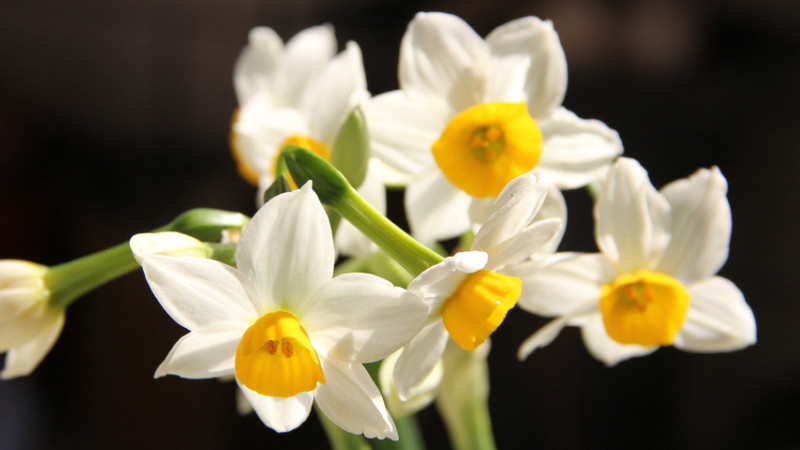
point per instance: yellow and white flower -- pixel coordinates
(301, 94)
(29, 323)
(653, 283)
(470, 293)
(473, 114)
(278, 322)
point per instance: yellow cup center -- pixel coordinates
(308, 143)
(644, 308)
(275, 357)
(479, 306)
(486, 146)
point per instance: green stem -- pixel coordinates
(404, 249)
(70, 280)
(463, 401)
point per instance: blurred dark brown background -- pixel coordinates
(114, 118)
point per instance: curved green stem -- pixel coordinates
(70, 280)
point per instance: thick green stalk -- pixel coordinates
(463, 400)
(69, 281)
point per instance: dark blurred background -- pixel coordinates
(114, 118)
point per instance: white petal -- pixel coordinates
(14, 272)
(631, 218)
(545, 335)
(259, 66)
(280, 414)
(531, 243)
(342, 85)
(719, 319)
(22, 360)
(421, 397)
(514, 209)
(363, 318)
(168, 243)
(605, 349)
(701, 226)
(575, 151)
(306, 55)
(436, 209)
(438, 282)
(419, 357)
(259, 131)
(27, 321)
(349, 240)
(563, 286)
(287, 249)
(528, 59)
(202, 355)
(198, 293)
(402, 133)
(352, 401)
(442, 57)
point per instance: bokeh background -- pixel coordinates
(114, 118)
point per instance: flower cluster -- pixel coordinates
(478, 137)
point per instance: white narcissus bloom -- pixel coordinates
(29, 323)
(288, 332)
(473, 114)
(653, 282)
(470, 293)
(300, 93)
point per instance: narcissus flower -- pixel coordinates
(289, 333)
(473, 114)
(470, 293)
(29, 323)
(299, 93)
(653, 283)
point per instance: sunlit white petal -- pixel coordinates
(280, 414)
(402, 132)
(353, 402)
(342, 84)
(719, 319)
(564, 285)
(700, 226)
(576, 151)
(287, 249)
(361, 317)
(306, 55)
(436, 209)
(22, 360)
(631, 218)
(202, 355)
(258, 68)
(200, 293)
(529, 65)
(441, 56)
(419, 357)
(605, 349)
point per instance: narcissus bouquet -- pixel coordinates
(318, 300)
